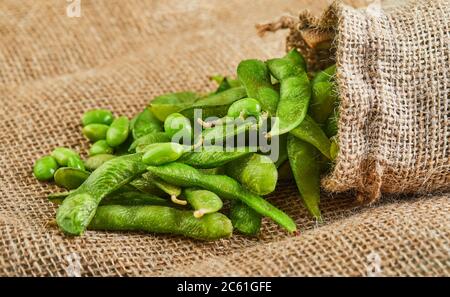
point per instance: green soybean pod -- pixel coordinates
(311, 132)
(296, 59)
(306, 171)
(212, 157)
(156, 137)
(100, 147)
(178, 125)
(62, 155)
(118, 131)
(245, 107)
(95, 132)
(326, 75)
(334, 148)
(202, 201)
(295, 94)
(96, 161)
(79, 207)
(255, 77)
(323, 101)
(75, 162)
(70, 178)
(146, 122)
(214, 105)
(221, 133)
(226, 187)
(164, 105)
(44, 168)
(150, 183)
(122, 196)
(282, 150)
(255, 172)
(331, 125)
(244, 219)
(161, 153)
(97, 116)
(161, 219)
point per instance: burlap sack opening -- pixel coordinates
(392, 76)
(119, 55)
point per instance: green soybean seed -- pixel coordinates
(118, 131)
(311, 132)
(323, 101)
(212, 157)
(255, 172)
(295, 94)
(70, 178)
(202, 201)
(305, 168)
(96, 161)
(75, 162)
(178, 126)
(161, 153)
(97, 116)
(146, 122)
(255, 77)
(44, 168)
(62, 155)
(79, 207)
(100, 147)
(244, 108)
(95, 132)
(156, 137)
(186, 176)
(160, 219)
(164, 105)
(244, 219)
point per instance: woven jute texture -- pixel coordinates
(120, 54)
(392, 74)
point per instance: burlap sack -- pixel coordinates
(118, 55)
(392, 75)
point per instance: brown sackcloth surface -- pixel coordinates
(118, 55)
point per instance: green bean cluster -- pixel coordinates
(157, 173)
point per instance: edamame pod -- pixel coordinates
(149, 183)
(186, 176)
(161, 153)
(331, 125)
(100, 147)
(203, 201)
(326, 75)
(160, 219)
(96, 161)
(164, 105)
(62, 155)
(244, 219)
(118, 131)
(97, 116)
(211, 157)
(139, 144)
(215, 105)
(145, 123)
(70, 178)
(95, 132)
(310, 132)
(323, 101)
(44, 168)
(255, 172)
(305, 168)
(77, 210)
(295, 94)
(255, 77)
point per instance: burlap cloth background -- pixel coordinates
(118, 55)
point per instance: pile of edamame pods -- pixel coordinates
(170, 169)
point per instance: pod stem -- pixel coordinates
(175, 200)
